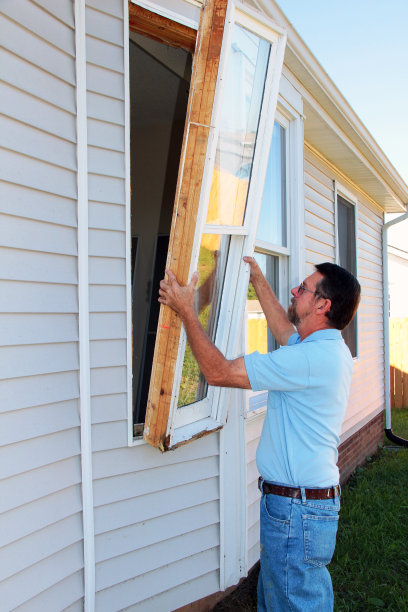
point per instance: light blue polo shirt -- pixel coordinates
(308, 384)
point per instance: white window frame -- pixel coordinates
(342, 191)
(292, 257)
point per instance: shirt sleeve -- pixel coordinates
(285, 369)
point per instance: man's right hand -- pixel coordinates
(256, 273)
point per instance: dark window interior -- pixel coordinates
(159, 85)
(347, 259)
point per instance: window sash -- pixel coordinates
(166, 426)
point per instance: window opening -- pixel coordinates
(346, 229)
(159, 86)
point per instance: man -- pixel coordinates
(308, 380)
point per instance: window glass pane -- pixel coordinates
(211, 267)
(240, 113)
(259, 337)
(272, 219)
(347, 259)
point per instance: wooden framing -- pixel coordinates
(195, 142)
(160, 28)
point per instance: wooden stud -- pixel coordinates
(194, 149)
(160, 28)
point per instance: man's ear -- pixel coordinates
(323, 306)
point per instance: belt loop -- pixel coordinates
(260, 484)
(303, 492)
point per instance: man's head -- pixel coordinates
(343, 290)
(327, 298)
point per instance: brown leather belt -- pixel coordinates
(330, 493)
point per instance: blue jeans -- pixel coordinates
(298, 538)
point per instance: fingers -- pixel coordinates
(194, 281)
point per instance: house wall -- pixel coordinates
(41, 552)
(158, 519)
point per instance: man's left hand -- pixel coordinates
(178, 298)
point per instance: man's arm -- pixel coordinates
(275, 314)
(217, 370)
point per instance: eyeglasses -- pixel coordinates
(301, 289)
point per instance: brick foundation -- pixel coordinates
(354, 451)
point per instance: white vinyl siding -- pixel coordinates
(367, 393)
(253, 432)
(41, 550)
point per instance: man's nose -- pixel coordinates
(294, 291)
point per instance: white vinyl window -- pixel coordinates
(225, 226)
(346, 254)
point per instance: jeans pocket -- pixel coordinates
(277, 510)
(319, 535)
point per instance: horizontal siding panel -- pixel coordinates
(103, 26)
(18, 329)
(320, 248)
(313, 168)
(193, 590)
(146, 457)
(46, 56)
(35, 81)
(107, 216)
(59, 596)
(251, 450)
(31, 517)
(253, 555)
(123, 513)
(107, 271)
(105, 82)
(106, 298)
(108, 408)
(323, 212)
(18, 296)
(105, 243)
(36, 547)
(101, 53)
(119, 488)
(36, 174)
(105, 353)
(145, 586)
(318, 222)
(317, 186)
(108, 381)
(103, 108)
(25, 488)
(107, 6)
(106, 135)
(20, 233)
(41, 576)
(30, 454)
(106, 325)
(106, 436)
(21, 201)
(106, 162)
(18, 393)
(106, 188)
(64, 11)
(38, 421)
(36, 143)
(153, 531)
(153, 557)
(33, 359)
(319, 235)
(37, 113)
(253, 493)
(36, 20)
(16, 264)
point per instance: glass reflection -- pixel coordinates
(211, 267)
(239, 124)
(259, 337)
(272, 226)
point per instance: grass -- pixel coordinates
(370, 565)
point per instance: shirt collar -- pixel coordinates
(324, 334)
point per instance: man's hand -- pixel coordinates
(178, 298)
(256, 275)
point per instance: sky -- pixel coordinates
(363, 47)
